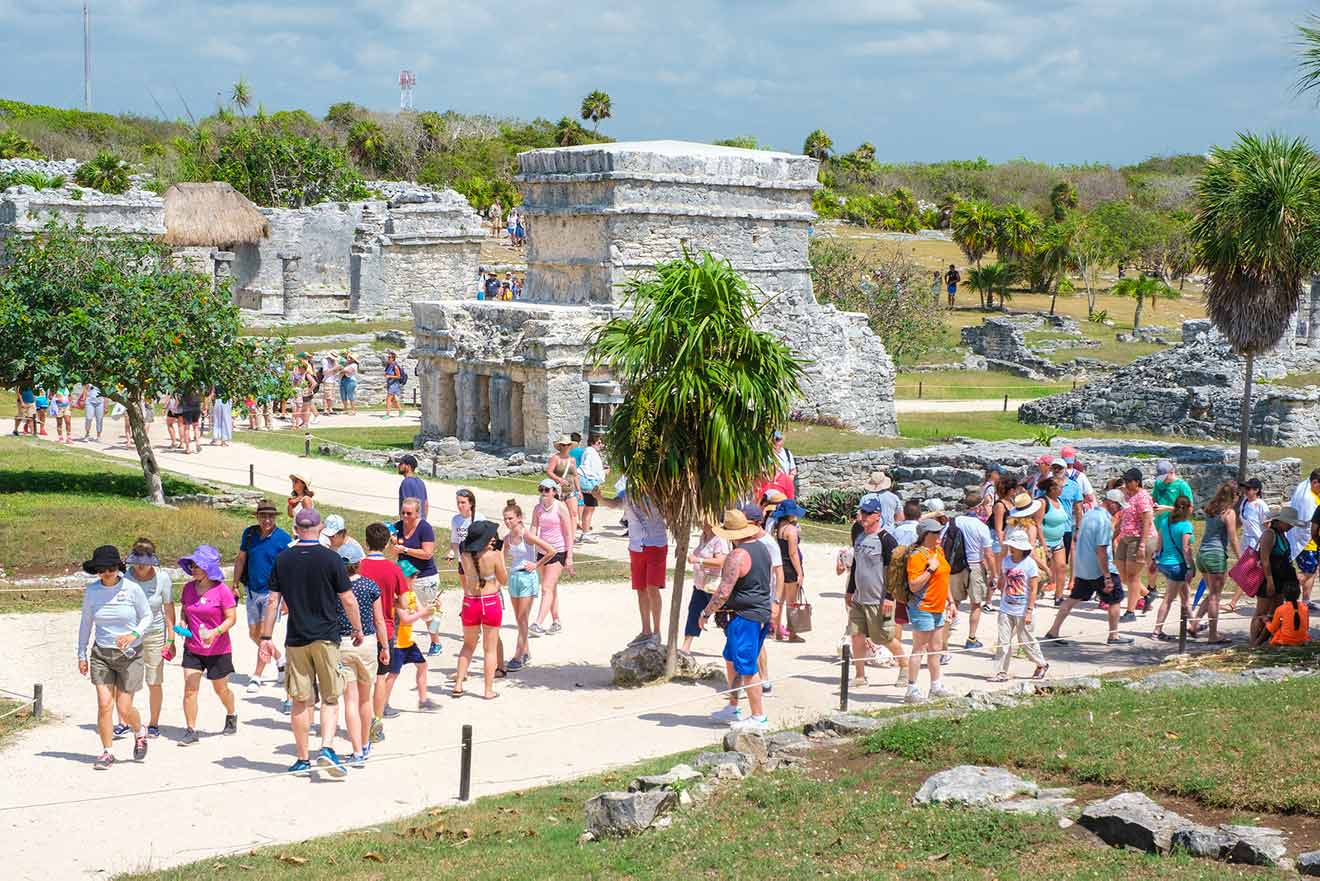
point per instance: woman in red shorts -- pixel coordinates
(484, 575)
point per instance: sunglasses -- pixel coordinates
(546, 490)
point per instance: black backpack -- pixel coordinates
(955, 548)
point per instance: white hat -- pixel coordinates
(1017, 538)
(334, 524)
(933, 505)
(1116, 496)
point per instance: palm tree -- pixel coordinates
(1142, 288)
(1309, 44)
(596, 107)
(974, 228)
(1063, 198)
(865, 152)
(106, 173)
(817, 145)
(1016, 232)
(366, 144)
(570, 133)
(704, 391)
(1257, 235)
(241, 95)
(990, 280)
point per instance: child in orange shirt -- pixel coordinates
(1291, 623)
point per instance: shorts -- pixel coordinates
(400, 656)
(924, 622)
(428, 592)
(1067, 547)
(348, 389)
(1307, 562)
(648, 567)
(1173, 571)
(696, 605)
(215, 666)
(27, 411)
(869, 620)
(360, 661)
(953, 289)
(315, 664)
(551, 559)
(482, 611)
(153, 644)
(191, 417)
(589, 499)
(1212, 561)
(1127, 548)
(256, 603)
(110, 666)
(743, 639)
(523, 584)
(969, 585)
(1085, 588)
(393, 387)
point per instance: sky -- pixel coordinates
(1065, 81)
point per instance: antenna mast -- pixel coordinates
(87, 59)
(407, 79)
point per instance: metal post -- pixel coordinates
(465, 766)
(919, 385)
(433, 466)
(252, 475)
(843, 678)
(1005, 403)
(38, 701)
(307, 443)
(414, 397)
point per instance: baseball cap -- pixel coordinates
(929, 524)
(410, 460)
(548, 484)
(1163, 467)
(350, 553)
(1116, 496)
(778, 435)
(1132, 474)
(334, 524)
(933, 505)
(307, 518)
(753, 513)
(1058, 463)
(870, 504)
(1068, 453)
(1044, 459)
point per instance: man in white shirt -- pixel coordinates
(591, 475)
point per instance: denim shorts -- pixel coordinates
(924, 622)
(1173, 571)
(255, 604)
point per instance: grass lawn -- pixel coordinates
(331, 328)
(15, 716)
(962, 385)
(1295, 380)
(372, 437)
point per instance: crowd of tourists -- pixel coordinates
(358, 610)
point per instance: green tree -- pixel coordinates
(595, 107)
(241, 95)
(80, 305)
(990, 280)
(1257, 234)
(1016, 229)
(974, 225)
(1092, 250)
(1142, 288)
(1063, 198)
(368, 145)
(817, 145)
(107, 173)
(343, 114)
(705, 389)
(746, 142)
(865, 152)
(1308, 64)
(570, 133)
(15, 146)
(1051, 255)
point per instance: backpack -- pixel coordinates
(896, 575)
(955, 548)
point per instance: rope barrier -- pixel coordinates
(30, 702)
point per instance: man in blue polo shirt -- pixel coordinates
(257, 550)
(1071, 498)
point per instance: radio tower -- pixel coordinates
(87, 60)
(407, 79)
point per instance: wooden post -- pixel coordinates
(919, 386)
(307, 443)
(252, 475)
(38, 701)
(843, 678)
(465, 766)
(1005, 403)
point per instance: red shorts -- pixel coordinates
(648, 567)
(484, 610)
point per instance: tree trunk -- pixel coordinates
(682, 535)
(150, 468)
(1246, 420)
(1136, 318)
(1054, 298)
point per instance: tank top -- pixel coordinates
(1216, 535)
(750, 597)
(520, 553)
(548, 528)
(790, 564)
(1055, 522)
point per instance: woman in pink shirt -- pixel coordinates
(208, 607)
(552, 523)
(1136, 523)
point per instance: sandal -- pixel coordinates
(1160, 637)
(457, 692)
(999, 677)
(1041, 671)
(501, 672)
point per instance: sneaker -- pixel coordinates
(639, 639)
(357, 760)
(536, 630)
(557, 627)
(434, 650)
(120, 730)
(755, 723)
(973, 644)
(590, 538)
(939, 690)
(253, 686)
(425, 705)
(328, 761)
(1120, 640)
(302, 766)
(104, 761)
(377, 732)
(366, 751)
(946, 660)
(1313, 606)
(767, 688)
(231, 725)
(139, 748)
(189, 738)
(1127, 618)
(153, 731)
(286, 707)
(902, 680)
(526, 659)
(653, 639)
(728, 714)
(390, 712)
(914, 695)
(513, 666)
(859, 682)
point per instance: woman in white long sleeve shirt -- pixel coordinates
(115, 614)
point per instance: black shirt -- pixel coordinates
(1280, 561)
(310, 577)
(750, 598)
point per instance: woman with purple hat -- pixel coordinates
(788, 538)
(209, 612)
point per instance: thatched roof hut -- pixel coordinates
(211, 215)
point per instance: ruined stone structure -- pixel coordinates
(514, 373)
(24, 210)
(1001, 342)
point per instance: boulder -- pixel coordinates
(448, 447)
(752, 743)
(743, 762)
(1161, 679)
(638, 664)
(1309, 862)
(1248, 845)
(845, 724)
(1130, 819)
(1068, 685)
(667, 780)
(972, 785)
(791, 743)
(616, 814)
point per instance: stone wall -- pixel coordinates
(25, 210)
(1001, 342)
(947, 470)
(321, 235)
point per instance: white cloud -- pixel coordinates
(915, 43)
(225, 50)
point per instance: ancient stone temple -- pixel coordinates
(514, 374)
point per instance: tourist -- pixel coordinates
(327, 378)
(408, 611)
(483, 577)
(928, 583)
(222, 420)
(306, 396)
(1035, 482)
(363, 658)
(300, 496)
(648, 549)
(307, 578)
(1016, 603)
(785, 463)
(115, 614)
(156, 585)
(412, 486)
(348, 382)
(257, 549)
(936, 288)
(1094, 572)
(591, 474)
(1077, 473)
(744, 592)
(517, 288)
(1055, 526)
(870, 606)
(1277, 564)
(1219, 539)
(552, 524)
(61, 409)
(173, 424)
(25, 412)
(1166, 490)
(190, 420)
(511, 225)
(334, 534)
(904, 532)
(1251, 513)
(966, 547)
(208, 609)
(43, 407)
(1136, 523)
(951, 279)
(1073, 497)
(1291, 623)
(1002, 489)
(788, 537)
(414, 541)
(526, 554)
(521, 235)
(388, 578)
(881, 485)
(466, 502)
(1173, 557)
(706, 561)
(1307, 503)
(394, 381)
(563, 471)
(761, 516)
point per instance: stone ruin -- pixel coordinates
(1195, 390)
(514, 374)
(1001, 342)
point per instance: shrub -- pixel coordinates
(31, 179)
(107, 173)
(832, 506)
(15, 146)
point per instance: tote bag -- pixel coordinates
(1248, 572)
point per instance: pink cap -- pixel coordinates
(1044, 459)
(1068, 453)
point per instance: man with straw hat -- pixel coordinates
(881, 486)
(744, 592)
(257, 549)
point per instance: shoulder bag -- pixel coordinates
(799, 614)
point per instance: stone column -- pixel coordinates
(446, 409)
(517, 436)
(290, 286)
(466, 386)
(222, 268)
(501, 393)
(483, 408)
